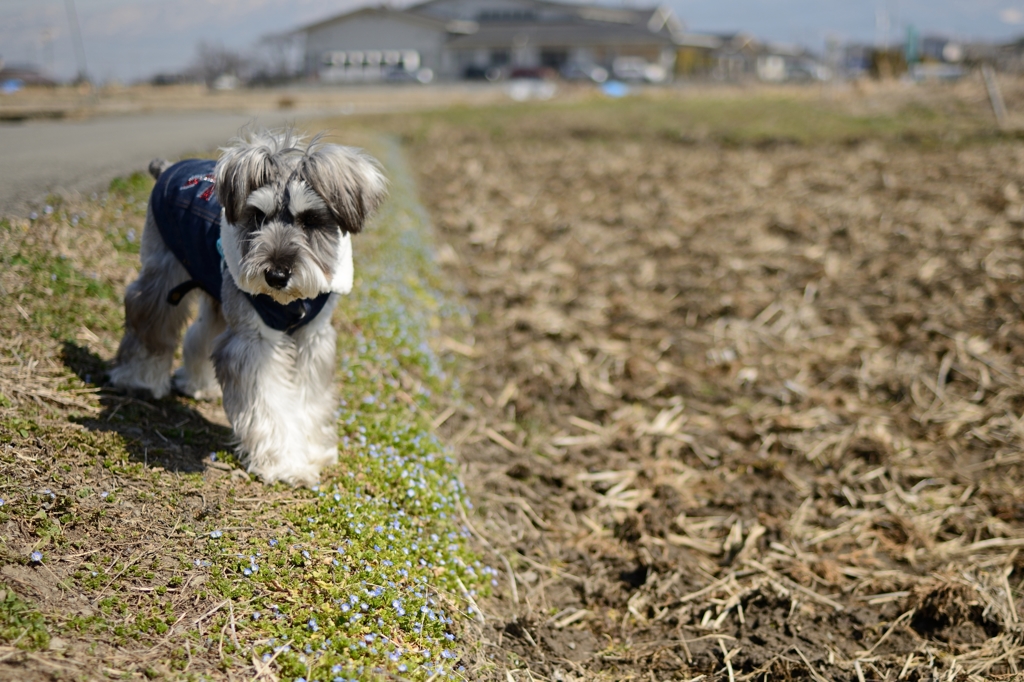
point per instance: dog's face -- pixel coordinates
(289, 212)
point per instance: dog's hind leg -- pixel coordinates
(196, 377)
(152, 325)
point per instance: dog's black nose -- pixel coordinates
(278, 277)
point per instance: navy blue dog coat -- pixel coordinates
(185, 207)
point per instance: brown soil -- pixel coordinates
(743, 412)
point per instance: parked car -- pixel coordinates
(532, 73)
(638, 69)
(225, 81)
(582, 71)
(399, 74)
(481, 73)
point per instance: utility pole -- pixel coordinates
(882, 28)
(76, 36)
(46, 41)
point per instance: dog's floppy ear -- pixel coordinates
(244, 167)
(349, 181)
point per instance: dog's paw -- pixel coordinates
(123, 379)
(324, 458)
(304, 476)
(131, 392)
(199, 390)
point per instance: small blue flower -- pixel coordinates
(36, 557)
(216, 534)
(312, 625)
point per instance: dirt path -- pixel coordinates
(117, 131)
(39, 157)
(746, 412)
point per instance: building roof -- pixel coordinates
(538, 20)
(377, 10)
(556, 34)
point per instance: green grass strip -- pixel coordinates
(369, 575)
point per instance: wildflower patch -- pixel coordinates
(370, 574)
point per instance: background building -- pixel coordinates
(453, 39)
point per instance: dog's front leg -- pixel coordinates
(315, 346)
(266, 398)
(196, 377)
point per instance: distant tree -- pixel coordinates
(215, 60)
(276, 59)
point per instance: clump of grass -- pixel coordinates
(132, 185)
(21, 624)
(65, 265)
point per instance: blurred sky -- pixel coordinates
(132, 39)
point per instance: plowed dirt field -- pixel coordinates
(739, 409)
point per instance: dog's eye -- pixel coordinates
(257, 216)
(313, 218)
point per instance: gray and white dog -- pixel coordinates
(265, 234)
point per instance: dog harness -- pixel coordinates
(187, 214)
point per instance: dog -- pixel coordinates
(264, 235)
